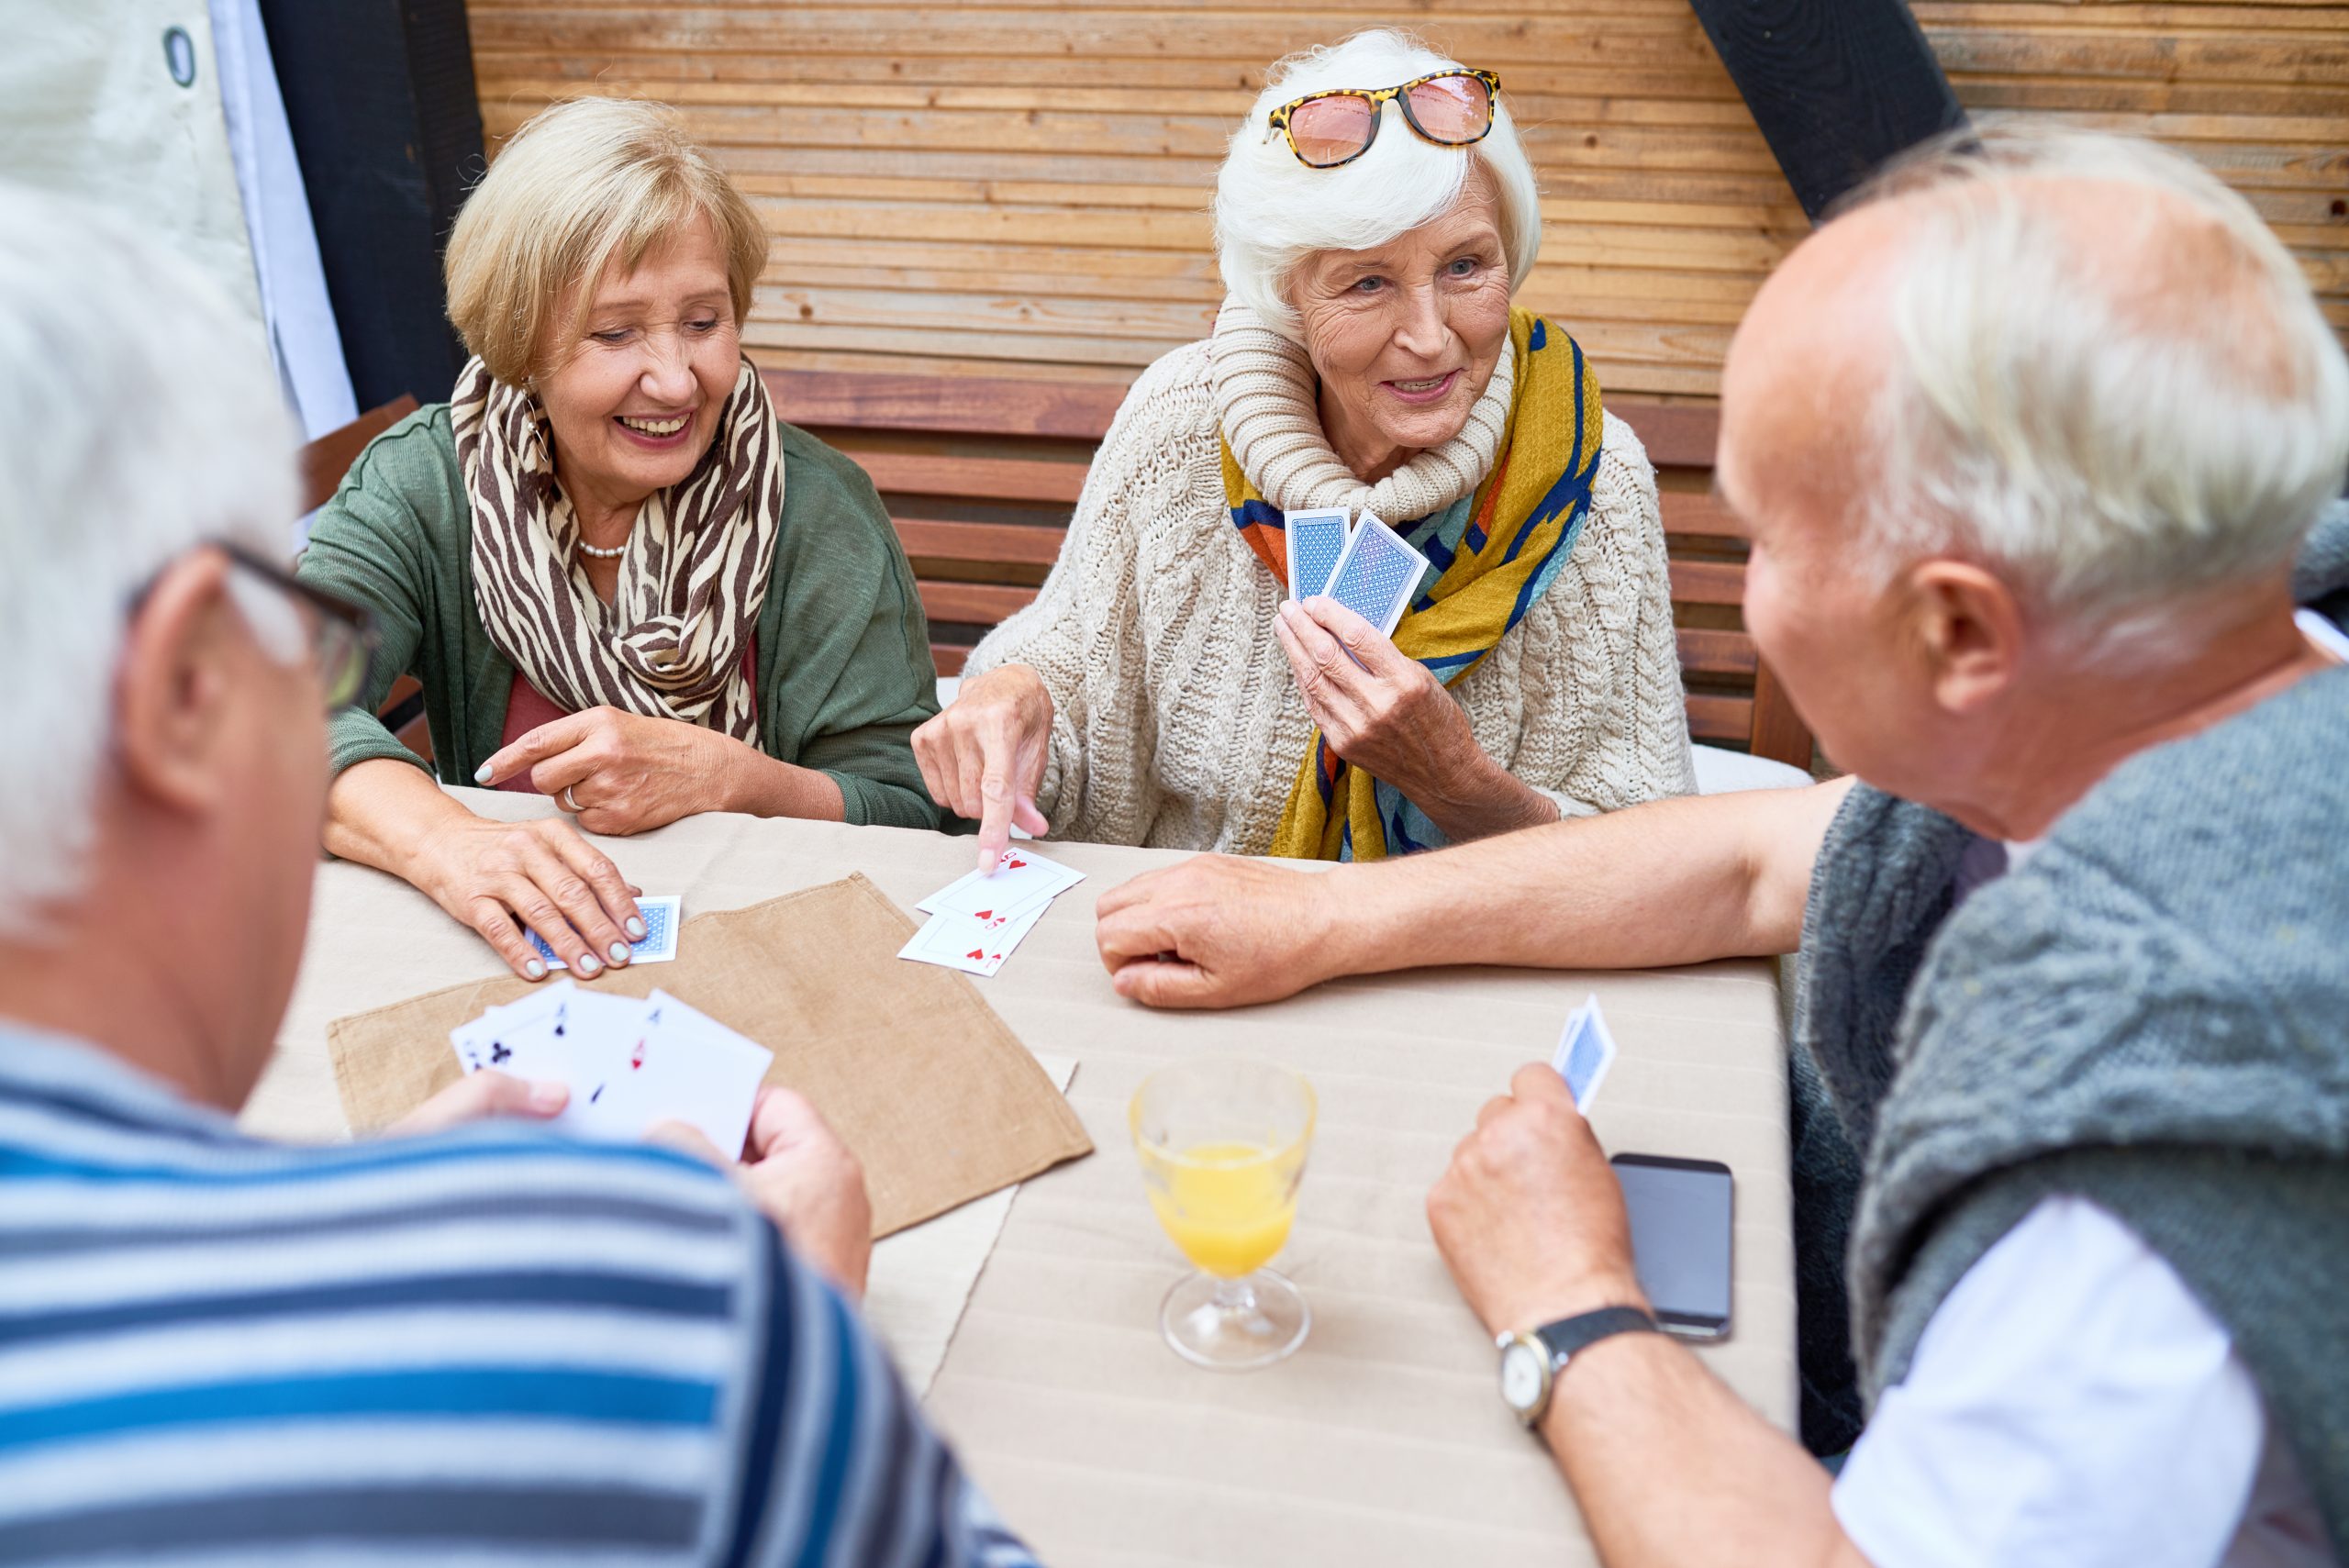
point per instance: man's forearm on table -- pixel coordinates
(1673, 882)
(1671, 1470)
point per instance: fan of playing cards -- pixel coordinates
(974, 922)
(1371, 570)
(628, 1062)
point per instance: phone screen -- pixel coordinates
(1680, 1239)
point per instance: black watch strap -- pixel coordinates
(1569, 1335)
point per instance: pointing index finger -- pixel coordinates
(547, 741)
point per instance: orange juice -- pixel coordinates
(1227, 1206)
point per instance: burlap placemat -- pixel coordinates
(912, 1068)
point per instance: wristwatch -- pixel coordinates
(1530, 1361)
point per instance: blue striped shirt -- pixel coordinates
(488, 1347)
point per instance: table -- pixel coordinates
(1384, 1439)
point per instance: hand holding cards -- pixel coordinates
(977, 919)
(629, 1063)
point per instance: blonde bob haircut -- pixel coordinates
(583, 187)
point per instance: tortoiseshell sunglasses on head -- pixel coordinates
(1450, 108)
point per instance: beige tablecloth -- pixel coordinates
(1382, 1440)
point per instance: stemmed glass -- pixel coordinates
(1222, 1142)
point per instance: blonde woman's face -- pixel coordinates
(634, 396)
(1406, 336)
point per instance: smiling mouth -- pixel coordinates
(1426, 389)
(654, 428)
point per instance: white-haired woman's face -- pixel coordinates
(1404, 337)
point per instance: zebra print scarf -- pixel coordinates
(670, 644)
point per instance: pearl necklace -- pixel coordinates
(612, 554)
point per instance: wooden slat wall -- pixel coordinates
(1014, 188)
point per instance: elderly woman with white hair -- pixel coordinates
(1375, 218)
(621, 580)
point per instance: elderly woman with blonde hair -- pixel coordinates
(620, 579)
(1375, 218)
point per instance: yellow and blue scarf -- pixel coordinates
(1491, 555)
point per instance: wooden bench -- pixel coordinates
(981, 475)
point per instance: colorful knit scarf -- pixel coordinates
(1491, 554)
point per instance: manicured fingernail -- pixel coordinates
(548, 1096)
(534, 969)
(588, 963)
(620, 952)
(636, 927)
(481, 775)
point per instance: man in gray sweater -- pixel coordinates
(2029, 446)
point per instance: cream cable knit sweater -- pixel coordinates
(1176, 722)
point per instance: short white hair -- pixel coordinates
(139, 417)
(1271, 211)
(2115, 423)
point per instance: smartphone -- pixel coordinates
(1680, 1239)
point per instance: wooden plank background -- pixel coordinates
(1007, 187)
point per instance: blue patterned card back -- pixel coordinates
(1378, 574)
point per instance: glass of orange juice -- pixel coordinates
(1222, 1142)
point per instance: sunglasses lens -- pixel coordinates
(1452, 108)
(1330, 130)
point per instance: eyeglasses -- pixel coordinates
(343, 634)
(1450, 108)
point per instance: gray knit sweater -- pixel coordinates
(2153, 1013)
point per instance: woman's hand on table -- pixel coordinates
(1381, 711)
(622, 772)
(983, 757)
(1530, 1217)
(803, 1178)
(481, 1097)
(1218, 932)
(490, 875)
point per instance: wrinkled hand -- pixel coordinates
(983, 757)
(803, 1178)
(489, 874)
(1386, 714)
(1215, 932)
(479, 1097)
(1530, 1217)
(626, 774)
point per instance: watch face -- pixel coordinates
(1521, 1377)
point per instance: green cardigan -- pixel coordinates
(844, 671)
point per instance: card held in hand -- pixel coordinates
(1316, 538)
(1585, 1051)
(1377, 575)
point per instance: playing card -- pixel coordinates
(481, 1043)
(972, 945)
(657, 945)
(1023, 881)
(1316, 540)
(673, 1063)
(1585, 1051)
(523, 1040)
(1377, 575)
